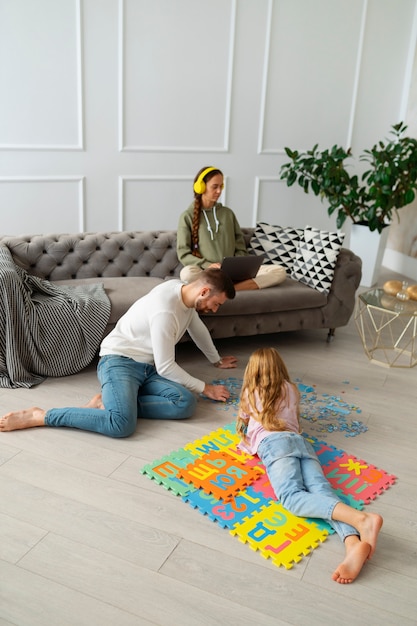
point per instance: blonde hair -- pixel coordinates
(265, 378)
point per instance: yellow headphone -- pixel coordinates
(200, 185)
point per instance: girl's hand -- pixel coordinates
(214, 266)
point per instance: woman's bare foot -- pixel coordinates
(96, 402)
(356, 554)
(28, 418)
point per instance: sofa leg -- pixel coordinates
(330, 335)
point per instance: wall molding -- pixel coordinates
(258, 181)
(123, 146)
(79, 146)
(166, 178)
(265, 76)
(80, 180)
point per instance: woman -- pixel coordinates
(209, 231)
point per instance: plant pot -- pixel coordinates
(369, 245)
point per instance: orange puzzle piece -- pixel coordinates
(219, 474)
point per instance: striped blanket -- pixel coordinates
(46, 330)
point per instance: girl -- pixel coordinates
(208, 231)
(268, 423)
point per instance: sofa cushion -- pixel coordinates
(121, 291)
(290, 295)
(316, 258)
(278, 244)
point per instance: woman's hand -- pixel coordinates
(214, 266)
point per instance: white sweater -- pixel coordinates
(149, 331)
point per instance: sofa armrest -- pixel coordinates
(346, 280)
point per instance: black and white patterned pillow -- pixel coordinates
(278, 244)
(316, 258)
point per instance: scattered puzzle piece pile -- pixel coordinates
(231, 488)
(324, 413)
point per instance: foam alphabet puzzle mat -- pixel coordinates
(232, 489)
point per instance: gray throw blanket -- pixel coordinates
(46, 330)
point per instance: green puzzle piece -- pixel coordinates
(164, 471)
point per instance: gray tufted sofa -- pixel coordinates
(130, 264)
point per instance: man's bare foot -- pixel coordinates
(96, 402)
(18, 420)
(356, 555)
(369, 530)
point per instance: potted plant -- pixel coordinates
(388, 182)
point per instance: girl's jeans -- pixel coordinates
(129, 390)
(298, 481)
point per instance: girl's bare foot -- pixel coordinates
(369, 530)
(17, 420)
(356, 555)
(96, 402)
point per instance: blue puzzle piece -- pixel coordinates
(226, 514)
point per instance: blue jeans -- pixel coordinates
(298, 481)
(129, 390)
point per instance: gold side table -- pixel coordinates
(388, 328)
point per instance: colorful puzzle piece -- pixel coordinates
(219, 474)
(165, 471)
(326, 453)
(219, 440)
(357, 478)
(279, 535)
(226, 514)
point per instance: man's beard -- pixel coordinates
(199, 306)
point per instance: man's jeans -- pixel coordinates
(129, 390)
(298, 481)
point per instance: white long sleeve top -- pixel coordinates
(149, 331)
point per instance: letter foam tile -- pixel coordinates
(248, 509)
(219, 440)
(164, 471)
(226, 514)
(279, 535)
(357, 478)
(220, 474)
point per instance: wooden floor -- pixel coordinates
(87, 540)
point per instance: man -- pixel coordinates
(137, 369)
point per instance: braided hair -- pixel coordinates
(197, 209)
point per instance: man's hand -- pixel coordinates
(227, 362)
(217, 392)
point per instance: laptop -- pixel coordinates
(242, 267)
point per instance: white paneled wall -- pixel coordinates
(109, 107)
